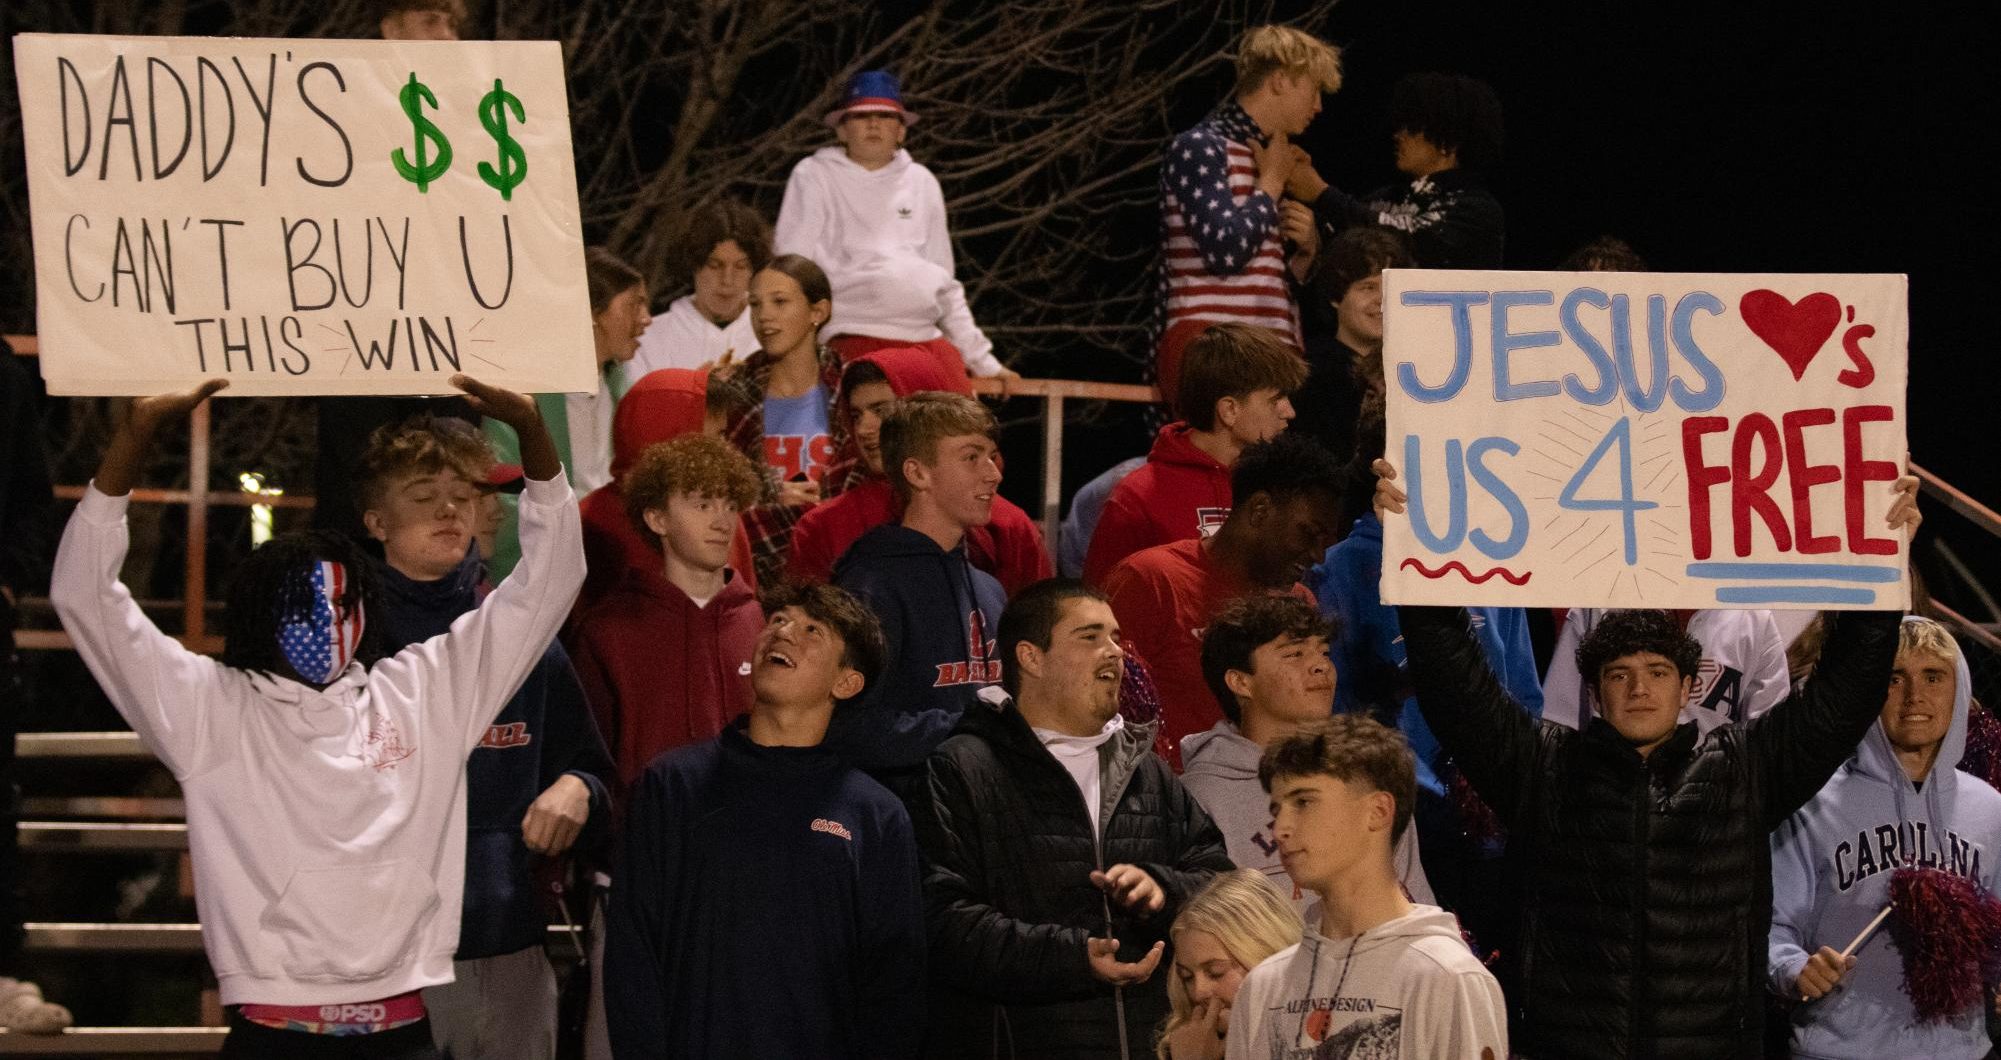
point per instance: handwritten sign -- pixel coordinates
(1644, 439)
(302, 216)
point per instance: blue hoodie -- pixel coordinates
(545, 731)
(940, 617)
(1368, 652)
(1831, 867)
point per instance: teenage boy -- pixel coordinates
(874, 218)
(325, 783)
(1236, 390)
(1057, 848)
(1448, 137)
(1346, 351)
(1283, 517)
(1900, 801)
(767, 895)
(938, 612)
(1265, 658)
(1009, 547)
(1646, 896)
(724, 246)
(536, 783)
(1376, 974)
(1225, 223)
(1742, 675)
(665, 657)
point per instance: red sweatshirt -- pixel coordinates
(1009, 548)
(1180, 493)
(661, 406)
(1164, 598)
(661, 673)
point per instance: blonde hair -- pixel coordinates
(1268, 50)
(1247, 915)
(1925, 637)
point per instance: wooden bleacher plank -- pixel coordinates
(116, 1041)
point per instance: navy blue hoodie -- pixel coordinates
(766, 904)
(940, 616)
(545, 731)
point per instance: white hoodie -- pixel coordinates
(683, 337)
(1407, 989)
(327, 828)
(882, 239)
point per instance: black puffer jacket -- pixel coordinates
(1647, 888)
(1008, 853)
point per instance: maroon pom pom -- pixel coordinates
(1949, 931)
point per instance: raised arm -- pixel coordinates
(1494, 741)
(1798, 744)
(167, 693)
(490, 650)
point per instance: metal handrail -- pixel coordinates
(97, 837)
(116, 1041)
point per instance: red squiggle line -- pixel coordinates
(1506, 575)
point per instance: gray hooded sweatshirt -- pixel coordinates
(1406, 989)
(1220, 768)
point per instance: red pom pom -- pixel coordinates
(1949, 931)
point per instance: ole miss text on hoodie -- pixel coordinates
(941, 618)
(1831, 868)
(1180, 493)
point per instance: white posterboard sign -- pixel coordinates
(302, 216)
(1645, 439)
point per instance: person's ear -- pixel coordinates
(1687, 685)
(823, 311)
(849, 684)
(916, 474)
(1238, 682)
(1028, 659)
(1382, 811)
(375, 524)
(656, 520)
(1228, 410)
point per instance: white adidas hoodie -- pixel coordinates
(881, 236)
(327, 828)
(1408, 989)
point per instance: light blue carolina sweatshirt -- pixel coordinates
(1368, 653)
(1831, 867)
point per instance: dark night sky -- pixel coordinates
(1733, 139)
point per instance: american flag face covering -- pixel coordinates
(320, 640)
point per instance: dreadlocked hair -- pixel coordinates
(266, 586)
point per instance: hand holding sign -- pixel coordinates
(1644, 440)
(293, 215)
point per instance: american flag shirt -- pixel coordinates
(321, 640)
(1222, 258)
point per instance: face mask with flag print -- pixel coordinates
(316, 634)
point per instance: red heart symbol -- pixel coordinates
(1796, 330)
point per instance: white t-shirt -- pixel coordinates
(1079, 755)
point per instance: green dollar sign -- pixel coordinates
(424, 172)
(513, 161)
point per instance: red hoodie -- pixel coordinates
(661, 673)
(1009, 548)
(662, 405)
(1164, 598)
(1180, 492)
